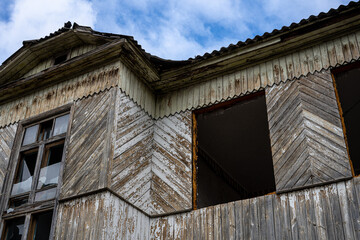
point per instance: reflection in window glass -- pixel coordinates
(30, 135)
(41, 225)
(45, 195)
(50, 166)
(14, 229)
(45, 130)
(61, 124)
(25, 173)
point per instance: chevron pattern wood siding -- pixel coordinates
(100, 216)
(7, 136)
(131, 168)
(327, 212)
(306, 135)
(152, 159)
(89, 149)
(172, 160)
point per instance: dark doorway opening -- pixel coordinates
(347, 81)
(234, 158)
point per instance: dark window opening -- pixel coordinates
(40, 226)
(60, 59)
(234, 158)
(25, 172)
(45, 130)
(50, 165)
(347, 81)
(14, 229)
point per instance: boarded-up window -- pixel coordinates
(233, 151)
(348, 84)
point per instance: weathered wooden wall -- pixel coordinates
(307, 140)
(49, 62)
(7, 136)
(131, 167)
(100, 216)
(291, 66)
(152, 159)
(328, 212)
(113, 75)
(172, 164)
(90, 146)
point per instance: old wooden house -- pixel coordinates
(259, 140)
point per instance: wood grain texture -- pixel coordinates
(263, 75)
(152, 159)
(89, 149)
(7, 136)
(307, 140)
(326, 212)
(100, 216)
(171, 164)
(131, 168)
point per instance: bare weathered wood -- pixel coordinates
(100, 216)
(83, 167)
(307, 140)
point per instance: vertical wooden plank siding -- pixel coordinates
(82, 86)
(288, 67)
(328, 212)
(88, 148)
(306, 136)
(100, 216)
(303, 214)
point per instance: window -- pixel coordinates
(31, 193)
(60, 59)
(347, 81)
(233, 151)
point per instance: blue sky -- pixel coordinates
(176, 30)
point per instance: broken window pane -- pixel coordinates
(234, 154)
(17, 202)
(50, 166)
(30, 135)
(25, 173)
(61, 124)
(14, 229)
(45, 130)
(40, 226)
(45, 195)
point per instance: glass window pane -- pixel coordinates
(25, 173)
(30, 135)
(45, 195)
(41, 225)
(50, 166)
(14, 229)
(61, 124)
(17, 202)
(45, 130)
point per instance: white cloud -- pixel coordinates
(170, 29)
(32, 19)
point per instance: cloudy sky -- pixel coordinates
(172, 29)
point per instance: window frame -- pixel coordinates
(33, 207)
